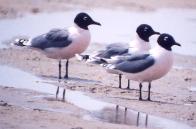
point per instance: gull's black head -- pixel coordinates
(83, 20)
(145, 31)
(167, 41)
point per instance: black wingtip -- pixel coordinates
(20, 42)
(82, 57)
(103, 61)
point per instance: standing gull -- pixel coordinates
(147, 67)
(112, 51)
(63, 43)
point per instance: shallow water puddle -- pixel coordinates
(117, 25)
(98, 110)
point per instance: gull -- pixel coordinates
(113, 51)
(63, 43)
(147, 67)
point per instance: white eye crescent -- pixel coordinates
(85, 18)
(145, 28)
(166, 38)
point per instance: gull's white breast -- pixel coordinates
(162, 65)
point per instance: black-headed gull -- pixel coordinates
(63, 43)
(138, 45)
(147, 67)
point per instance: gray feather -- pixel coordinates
(112, 51)
(116, 45)
(54, 38)
(135, 64)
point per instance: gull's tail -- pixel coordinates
(82, 57)
(21, 42)
(90, 59)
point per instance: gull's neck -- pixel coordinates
(138, 45)
(159, 51)
(78, 28)
(74, 29)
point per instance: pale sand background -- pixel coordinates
(171, 92)
(12, 8)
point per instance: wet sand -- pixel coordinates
(16, 116)
(171, 95)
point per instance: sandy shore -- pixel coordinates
(14, 116)
(14, 8)
(171, 95)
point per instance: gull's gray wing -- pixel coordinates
(55, 38)
(115, 45)
(132, 57)
(135, 64)
(112, 51)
